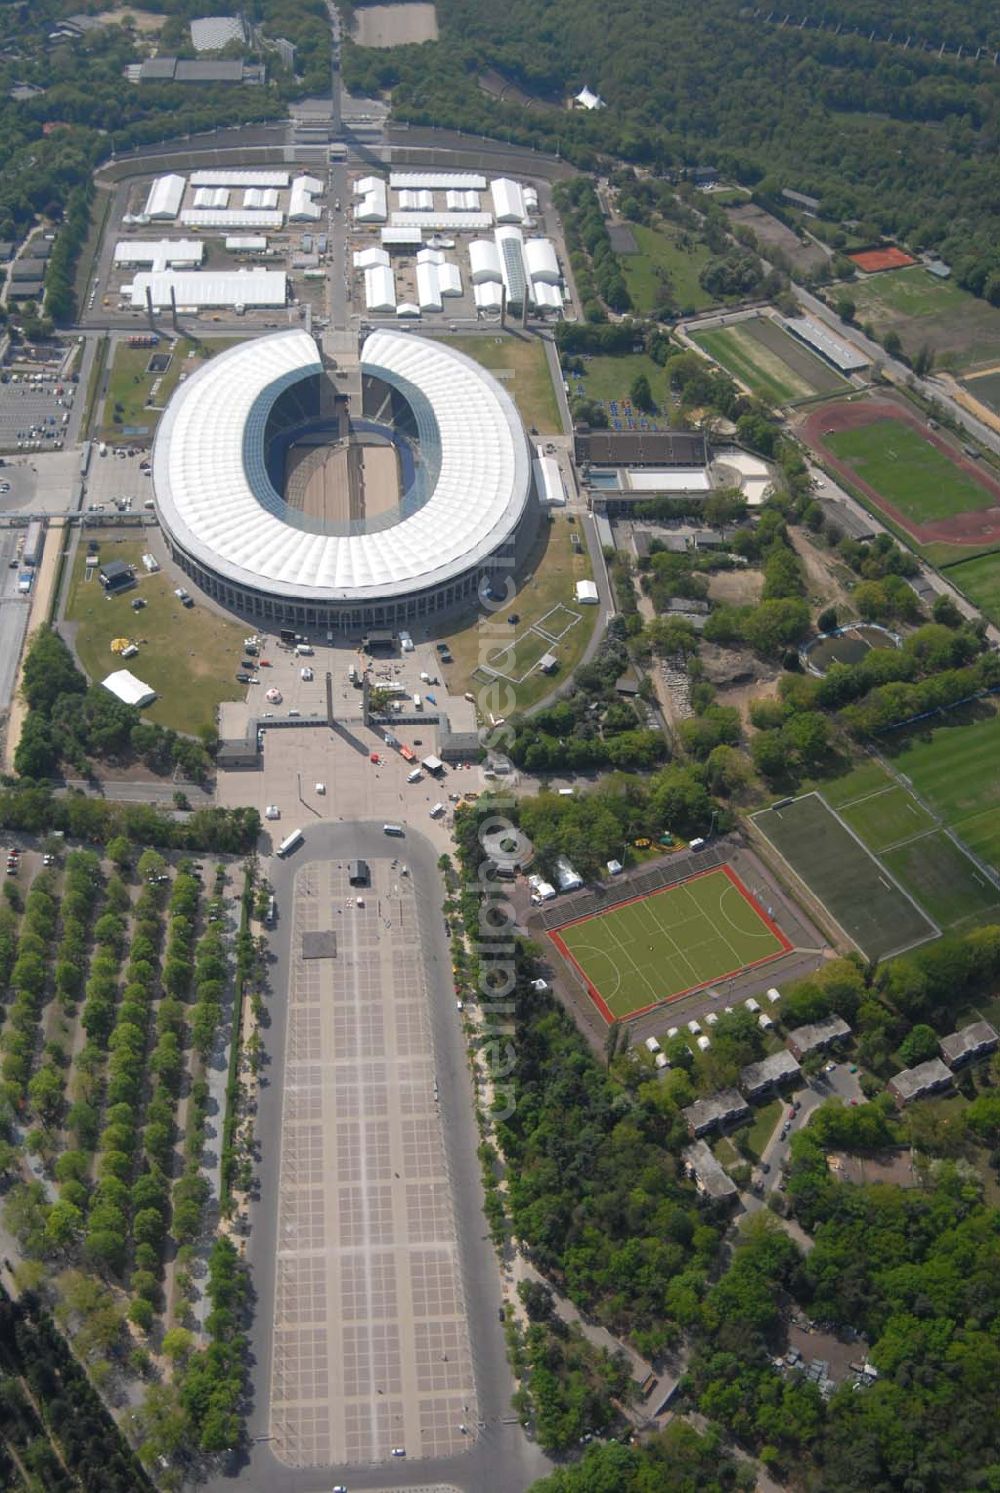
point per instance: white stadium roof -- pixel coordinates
(126, 687)
(165, 197)
(233, 217)
(439, 181)
(216, 500)
(223, 178)
(159, 253)
(212, 288)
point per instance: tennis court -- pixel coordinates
(660, 947)
(862, 895)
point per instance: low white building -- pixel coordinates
(233, 217)
(586, 593)
(407, 237)
(462, 202)
(126, 687)
(247, 243)
(165, 197)
(548, 481)
(488, 296)
(541, 262)
(246, 287)
(217, 197)
(266, 197)
(301, 207)
(546, 297)
(367, 259)
(567, 879)
(508, 200)
(223, 177)
(161, 253)
(484, 261)
(416, 200)
(438, 181)
(442, 222)
(374, 204)
(380, 289)
(588, 99)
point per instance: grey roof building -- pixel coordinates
(816, 1035)
(710, 1177)
(916, 1083)
(770, 1073)
(974, 1041)
(727, 1107)
(640, 448)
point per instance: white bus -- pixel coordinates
(290, 841)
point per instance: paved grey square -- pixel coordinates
(371, 1343)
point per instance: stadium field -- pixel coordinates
(908, 471)
(657, 948)
(868, 904)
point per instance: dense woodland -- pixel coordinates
(903, 140)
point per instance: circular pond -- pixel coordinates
(847, 645)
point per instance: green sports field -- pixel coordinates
(956, 768)
(908, 471)
(657, 948)
(772, 364)
(872, 909)
(979, 580)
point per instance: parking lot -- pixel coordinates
(34, 413)
(14, 610)
(371, 1349)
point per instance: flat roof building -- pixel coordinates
(508, 200)
(640, 448)
(160, 254)
(727, 1107)
(927, 1078)
(438, 181)
(842, 355)
(244, 287)
(972, 1042)
(816, 1035)
(222, 176)
(711, 1179)
(770, 1073)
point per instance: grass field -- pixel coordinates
(679, 256)
(944, 881)
(768, 361)
(612, 378)
(522, 368)
(657, 948)
(979, 580)
(885, 817)
(872, 910)
(956, 768)
(188, 655)
(550, 582)
(130, 385)
(908, 471)
(921, 309)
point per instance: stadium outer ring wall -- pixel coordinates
(410, 606)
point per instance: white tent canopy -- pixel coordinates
(165, 197)
(126, 687)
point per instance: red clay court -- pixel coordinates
(889, 258)
(975, 527)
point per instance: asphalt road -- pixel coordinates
(502, 1459)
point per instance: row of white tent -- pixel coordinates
(437, 279)
(212, 190)
(510, 201)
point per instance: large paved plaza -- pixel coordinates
(371, 1342)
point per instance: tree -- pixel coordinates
(919, 1046)
(892, 344)
(641, 394)
(845, 308)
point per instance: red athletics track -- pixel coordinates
(979, 527)
(589, 917)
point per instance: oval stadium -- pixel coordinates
(295, 502)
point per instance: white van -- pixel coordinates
(414, 776)
(303, 650)
(418, 704)
(437, 811)
(652, 1045)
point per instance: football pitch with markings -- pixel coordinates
(657, 948)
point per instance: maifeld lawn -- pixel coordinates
(908, 471)
(188, 655)
(658, 947)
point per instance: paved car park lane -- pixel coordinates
(370, 1341)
